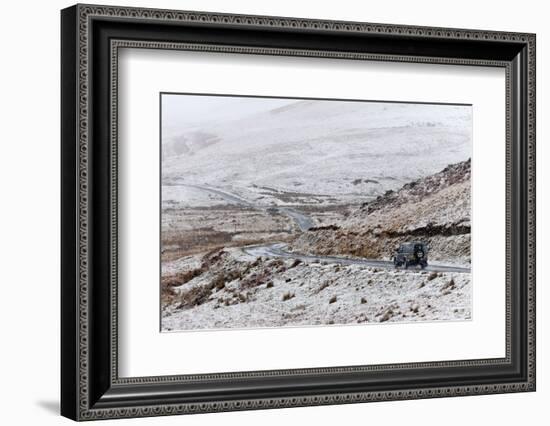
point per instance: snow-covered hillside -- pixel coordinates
(227, 289)
(281, 151)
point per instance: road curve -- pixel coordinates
(281, 250)
(304, 222)
(227, 196)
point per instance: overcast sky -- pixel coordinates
(184, 112)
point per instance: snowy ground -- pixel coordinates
(273, 293)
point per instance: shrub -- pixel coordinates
(224, 277)
(450, 285)
(194, 297)
(295, 263)
(256, 279)
(287, 296)
(432, 276)
(212, 257)
(276, 263)
(182, 277)
(322, 287)
(218, 282)
(167, 296)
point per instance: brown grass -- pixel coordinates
(432, 276)
(322, 287)
(182, 277)
(287, 296)
(194, 297)
(185, 243)
(295, 263)
(255, 279)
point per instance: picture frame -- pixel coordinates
(91, 37)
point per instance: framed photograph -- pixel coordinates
(263, 212)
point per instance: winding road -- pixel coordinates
(304, 222)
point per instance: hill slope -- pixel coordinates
(435, 209)
(339, 152)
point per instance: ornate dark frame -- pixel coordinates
(91, 37)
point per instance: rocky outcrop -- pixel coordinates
(435, 209)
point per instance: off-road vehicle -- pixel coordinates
(409, 254)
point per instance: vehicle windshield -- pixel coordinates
(410, 247)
